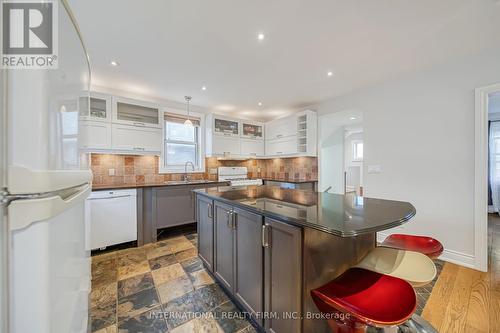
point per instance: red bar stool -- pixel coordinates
(360, 299)
(426, 245)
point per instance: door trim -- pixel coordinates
(481, 175)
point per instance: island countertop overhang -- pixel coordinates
(339, 215)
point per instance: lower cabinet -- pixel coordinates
(282, 276)
(224, 245)
(173, 206)
(205, 214)
(248, 267)
(258, 261)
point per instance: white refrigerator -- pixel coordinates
(44, 182)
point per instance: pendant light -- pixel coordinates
(188, 121)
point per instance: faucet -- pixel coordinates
(186, 175)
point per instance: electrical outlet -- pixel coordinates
(111, 172)
(212, 171)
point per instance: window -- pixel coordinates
(357, 150)
(182, 143)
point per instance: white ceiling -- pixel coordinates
(168, 49)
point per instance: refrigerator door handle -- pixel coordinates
(22, 213)
(22, 180)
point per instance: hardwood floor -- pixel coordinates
(465, 300)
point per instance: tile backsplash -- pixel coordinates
(135, 169)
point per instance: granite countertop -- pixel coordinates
(291, 180)
(340, 215)
(167, 183)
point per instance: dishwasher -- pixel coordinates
(111, 218)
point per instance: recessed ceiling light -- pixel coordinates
(260, 103)
(329, 73)
(203, 88)
(114, 63)
(352, 118)
(261, 36)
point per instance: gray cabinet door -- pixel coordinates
(249, 255)
(282, 271)
(224, 245)
(174, 205)
(205, 231)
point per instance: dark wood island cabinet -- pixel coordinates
(268, 247)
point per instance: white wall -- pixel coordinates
(420, 129)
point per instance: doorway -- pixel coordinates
(341, 151)
(487, 169)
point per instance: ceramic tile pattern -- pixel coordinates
(167, 290)
(158, 288)
(133, 169)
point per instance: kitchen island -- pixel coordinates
(269, 246)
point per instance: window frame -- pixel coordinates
(200, 144)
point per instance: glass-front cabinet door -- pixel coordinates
(226, 127)
(95, 107)
(131, 112)
(252, 131)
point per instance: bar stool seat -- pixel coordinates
(371, 298)
(426, 245)
(414, 267)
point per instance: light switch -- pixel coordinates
(111, 172)
(374, 169)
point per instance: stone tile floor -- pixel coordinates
(163, 287)
(158, 288)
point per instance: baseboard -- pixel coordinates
(454, 257)
(458, 258)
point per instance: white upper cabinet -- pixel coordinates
(97, 107)
(225, 126)
(136, 113)
(136, 139)
(226, 146)
(252, 147)
(95, 135)
(295, 135)
(281, 128)
(251, 130)
(119, 125)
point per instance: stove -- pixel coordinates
(237, 176)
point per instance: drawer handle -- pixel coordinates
(210, 212)
(139, 124)
(139, 148)
(279, 152)
(279, 136)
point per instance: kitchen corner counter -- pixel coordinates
(161, 184)
(339, 215)
(291, 180)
